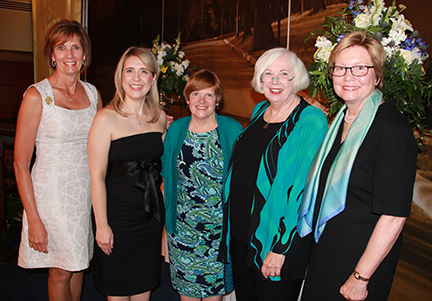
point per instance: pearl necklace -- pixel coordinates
(349, 119)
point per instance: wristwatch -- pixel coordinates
(359, 277)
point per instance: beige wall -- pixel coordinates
(16, 27)
(24, 24)
(45, 13)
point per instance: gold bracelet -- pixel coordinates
(359, 277)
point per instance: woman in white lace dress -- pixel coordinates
(56, 115)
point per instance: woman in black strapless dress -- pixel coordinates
(124, 148)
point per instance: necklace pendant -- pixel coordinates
(139, 122)
(70, 99)
(265, 126)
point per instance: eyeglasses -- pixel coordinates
(358, 71)
(268, 77)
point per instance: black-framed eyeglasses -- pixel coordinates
(358, 71)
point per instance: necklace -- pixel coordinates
(139, 120)
(265, 126)
(349, 119)
(67, 94)
(134, 115)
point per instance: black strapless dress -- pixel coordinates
(136, 216)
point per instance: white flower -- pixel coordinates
(178, 68)
(160, 57)
(181, 54)
(362, 21)
(379, 3)
(376, 19)
(388, 50)
(407, 55)
(397, 36)
(185, 64)
(322, 41)
(376, 12)
(417, 54)
(324, 49)
(400, 24)
(165, 46)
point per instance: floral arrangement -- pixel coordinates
(174, 70)
(406, 52)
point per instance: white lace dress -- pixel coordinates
(61, 180)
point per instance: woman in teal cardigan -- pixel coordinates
(265, 182)
(195, 164)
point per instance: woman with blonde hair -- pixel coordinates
(359, 188)
(124, 149)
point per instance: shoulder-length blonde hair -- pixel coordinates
(373, 47)
(301, 80)
(152, 97)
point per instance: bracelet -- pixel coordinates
(359, 277)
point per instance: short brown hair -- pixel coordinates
(204, 79)
(373, 47)
(152, 98)
(62, 32)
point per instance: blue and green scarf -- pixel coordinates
(335, 192)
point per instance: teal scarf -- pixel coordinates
(336, 187)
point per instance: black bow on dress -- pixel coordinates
(148, 178)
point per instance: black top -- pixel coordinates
(328, 162)
(381, 183)
(246, 158)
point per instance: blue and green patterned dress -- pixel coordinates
(194, 249)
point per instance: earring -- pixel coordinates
(84, 63)
(53, 63)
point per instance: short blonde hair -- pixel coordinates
(301, 80)
(373, 47)
(152, 98)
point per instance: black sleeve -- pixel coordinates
(394, 171)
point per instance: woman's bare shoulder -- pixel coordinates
(107, 113)
(32, 95)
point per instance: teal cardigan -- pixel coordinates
(228, 130)
(279, 213)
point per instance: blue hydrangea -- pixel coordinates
(340, 38)
(412, 42)
(356, 7)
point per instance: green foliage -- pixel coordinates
(14, 210)
(404, 80)
(174, 70)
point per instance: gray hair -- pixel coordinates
(301, 80)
